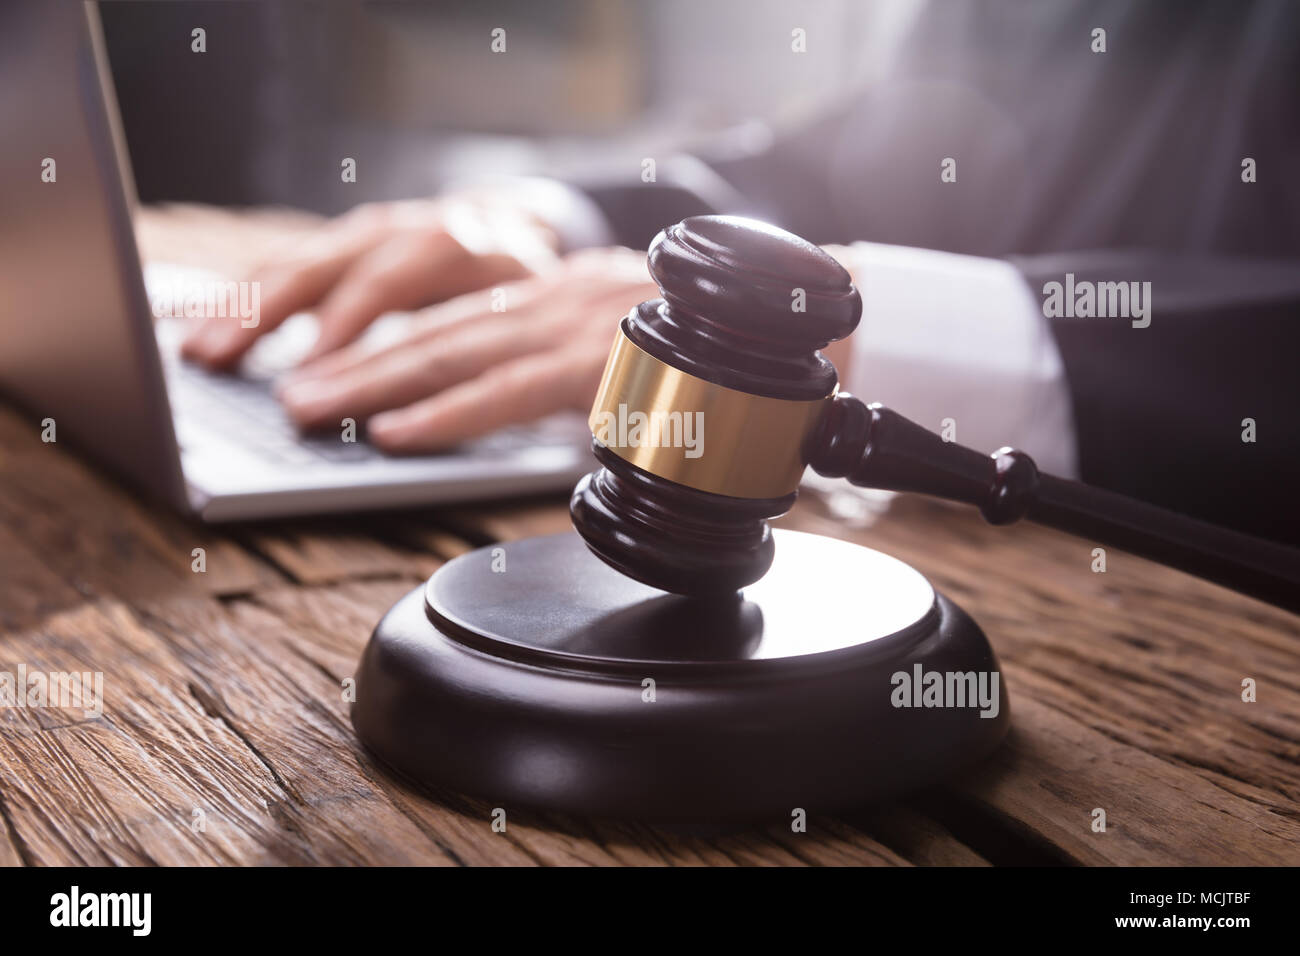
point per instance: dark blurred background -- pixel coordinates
(409, 90)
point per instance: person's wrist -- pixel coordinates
(563, 212)
(489, 224)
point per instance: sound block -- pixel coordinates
(531, 674)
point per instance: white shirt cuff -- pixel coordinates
(947, 336)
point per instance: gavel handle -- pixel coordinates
(878, 448)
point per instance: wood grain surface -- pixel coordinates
(224, 737)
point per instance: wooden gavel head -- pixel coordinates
(711, 401)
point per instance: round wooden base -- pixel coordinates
(533, 675)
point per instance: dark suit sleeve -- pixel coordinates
(682, 185)
(786, 182)
(1051, 146)
(1160, 411)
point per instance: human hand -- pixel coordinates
(383, 257)
(464, 369)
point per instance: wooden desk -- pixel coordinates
(225, 736)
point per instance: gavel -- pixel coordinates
(701, 667)
(734, 345)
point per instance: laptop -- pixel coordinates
(79, 344)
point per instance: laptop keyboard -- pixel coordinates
(244, 410)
